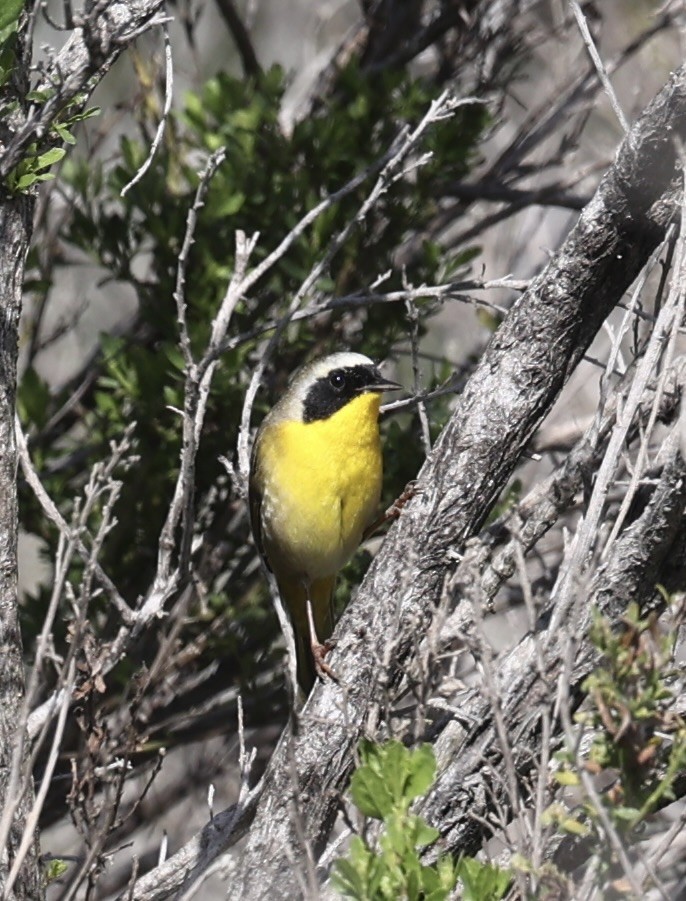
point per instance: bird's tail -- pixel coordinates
(294, 597)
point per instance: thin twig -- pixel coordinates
(168, 95)
(56, 517)
(598, 63)
(413, 317)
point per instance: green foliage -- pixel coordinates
(482, 881)
(9, 16)
(54, 869)
(9, 13)
(639, 733)
(40, 157)
(389, 778)
(639, 737)
(33, 167)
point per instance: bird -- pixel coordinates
(314, 489)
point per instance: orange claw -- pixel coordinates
(394, 510)
(319, 650)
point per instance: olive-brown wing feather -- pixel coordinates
(255, 499)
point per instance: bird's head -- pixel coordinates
(319, 389)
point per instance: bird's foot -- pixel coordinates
(320, 649)
(394, 510)
(319, 652)
(407, 494)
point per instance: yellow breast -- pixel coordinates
(321, 484)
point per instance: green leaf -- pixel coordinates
(482, 881)
(574, 826)
(229, 206)
(25, 181)
(64, 133)
(47, 159)
(424, 834)
(10, 10)
(566, 777)
(422, 771)
(370, 794)
(355, 876)
(33, 398)
(40, 96)
(55, 869)
(629, 814)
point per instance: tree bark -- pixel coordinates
(522, 372)
(15, 231)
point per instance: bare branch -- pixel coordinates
(159, 134)
(598, 63)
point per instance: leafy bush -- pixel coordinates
(389, 778)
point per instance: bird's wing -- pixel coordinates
(255, 499)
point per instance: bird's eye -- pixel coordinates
(337, 381)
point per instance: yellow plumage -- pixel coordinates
(315, 488)
(323, 481)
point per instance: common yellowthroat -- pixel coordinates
(315, 485)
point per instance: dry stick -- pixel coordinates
(450, 291)
(539, 126)
(598, 63)
(182, 500)
(678, 292)
(56, 517)
(241, 37)
(635, 565)
(542, 792)
(168, 95)
(541, 507)
(39, 717)
(587, 531)
(489, 689)
(536, 513)
(413, 316)
(15, 786)
(32, 820)
(101, 482)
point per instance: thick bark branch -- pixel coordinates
(522, 372)
(15, 228)
(16, 786)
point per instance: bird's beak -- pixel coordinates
(380, 384)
